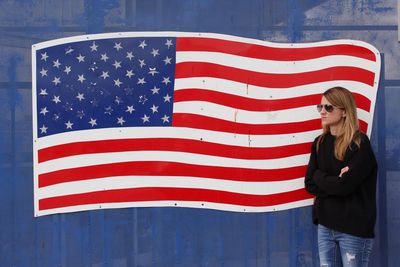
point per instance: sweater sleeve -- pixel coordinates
(361, 163)
(309, 183)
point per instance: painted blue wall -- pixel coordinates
(179, 236)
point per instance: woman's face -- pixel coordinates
(331, 116)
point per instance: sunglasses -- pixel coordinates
(328, 108)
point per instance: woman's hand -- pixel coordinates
(343, 171)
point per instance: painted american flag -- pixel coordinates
(184, 119)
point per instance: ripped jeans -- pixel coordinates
(338, 249)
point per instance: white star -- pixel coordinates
(56, 64)
(43, 72)
(104, 57)
(118, 46)
(93, 47)
(117, 64)
(130, 55)
(154, 52)
(43, 129)
(43, 92)
(142, 99)
(167, 60)
(143, 44)
(165, 119)
(117, 82)
(121, 120)
(166, 80)
(67, 69)
(44, 57)
(109, 110)
(93, 122)
(167, 98)
(93, 67)
(153, 71)
(56, 99)
(80, 114)
(155, 90)
(129, 90)
(80, 96)
(68, 107)
(105, 75)
(69, 125)
(145, 118)
(81, 78)
(56, 80)
(142, 63)
(69, 50)
(169, 43)
(130, 109)
(154, 109)
(141, 81)
(118, 100)
(44, 111)
(129, 73)
(80, 58)
(56, 116)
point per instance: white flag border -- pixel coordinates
(166, 34)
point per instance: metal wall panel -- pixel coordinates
(180, 236)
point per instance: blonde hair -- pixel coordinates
(342, 98)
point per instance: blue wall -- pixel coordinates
(179, 236)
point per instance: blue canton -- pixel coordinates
(124, 82)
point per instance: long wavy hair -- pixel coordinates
(350, 133)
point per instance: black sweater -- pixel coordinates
(346, 204)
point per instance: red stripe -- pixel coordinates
(362, 102)
(272, 80)
(171, 144)
(250, 104)
(207, 123)
(363, 126)
(172, 194)
(271, 53)
(157, 168)
(244, 103)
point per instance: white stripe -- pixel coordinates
(252, 117)
(124, 182)
(172, 34)
(168, 156)
(34, 127)
(176, 132)
(257, 92)
(243, 116)
(185, 204)
(274, 66)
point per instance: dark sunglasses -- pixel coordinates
(328, 108)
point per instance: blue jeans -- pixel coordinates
(340, 249)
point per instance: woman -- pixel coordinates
(341, 174)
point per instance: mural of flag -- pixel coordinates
(144, 119)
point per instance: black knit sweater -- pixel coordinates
(346, 204)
